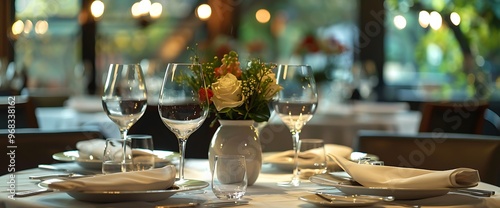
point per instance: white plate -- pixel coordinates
(122, 196)
(162, 158)
(340, 201)
(397, 193)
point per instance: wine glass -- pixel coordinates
(295, 104)
(181, 105)
(125, 98)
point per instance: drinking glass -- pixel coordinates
(229, 177)
(181, 105)
(295, 104)
(113, 159)
(138, 154)
(125, 96)
(314, 161)
(143, 157)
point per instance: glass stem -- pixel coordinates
(296, 147)
(182, 148)
(124, 144)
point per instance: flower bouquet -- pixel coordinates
(237, 93)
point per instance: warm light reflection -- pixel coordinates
(436, 20)
(97, 8)
(204, 11)
(263, 16)
(424, 19)
(455, 18)
(28, 26)
(136, 12)
(17, 27)
(41, 27)
(156, 10)
(399, 22)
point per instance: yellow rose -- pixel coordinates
(272, 87)
(227, 92)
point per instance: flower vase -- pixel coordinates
(238, 137)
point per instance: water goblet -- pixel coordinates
(295, 104)
(125, 97)
(183, 104)
(229, 177)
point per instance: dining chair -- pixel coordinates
(435, 151)
(453, 117)
(17, 109)
(31, 146)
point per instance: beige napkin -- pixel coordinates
(91, 149)
(310, 155)
(155, 179)
(399, 177)
(94, 149)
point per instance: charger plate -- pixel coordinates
(398, 193)
(122, 196)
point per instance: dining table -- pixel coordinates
(264, 193)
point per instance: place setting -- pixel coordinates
(368, 182)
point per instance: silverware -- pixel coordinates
(206, 204)
(66, 175)
(475, 192)
(32, 192)
(55, 168)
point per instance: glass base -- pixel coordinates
(293, 183)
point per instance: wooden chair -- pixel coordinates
(36, 146)
(22, 112)
(453, 117)
(436, 151)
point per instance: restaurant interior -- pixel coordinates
(388, 72)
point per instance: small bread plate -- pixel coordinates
(398, 193)
(338, 201)
(122, 196)
(162, 158)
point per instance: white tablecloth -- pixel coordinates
(264, 193)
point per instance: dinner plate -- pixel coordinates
(339, 201)
(122, 196)
(398, 193)
(162, 158)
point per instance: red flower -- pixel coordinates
(205, 94)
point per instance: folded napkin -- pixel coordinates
(311, 155)
(91, 149)
(94, 149)
(400, 177)
(155, 179)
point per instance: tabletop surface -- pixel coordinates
(264, 193)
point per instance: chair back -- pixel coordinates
(436, 151)
(17, 109)
(32, 147)
(453, 117)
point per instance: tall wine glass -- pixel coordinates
(125, 98)
(182, 105)
(295, 104)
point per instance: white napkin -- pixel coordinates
(155, 179)
(94, 149)
(91, 149)
(400, 177)
(311, 155)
